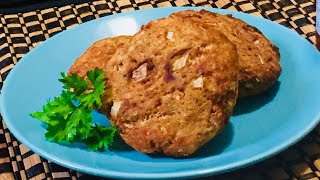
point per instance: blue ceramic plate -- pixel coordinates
(261, 126)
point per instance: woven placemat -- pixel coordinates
(20, 32)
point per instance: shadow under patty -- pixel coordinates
(250, 104)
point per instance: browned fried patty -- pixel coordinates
(174, 86)
(97, 55)
(258, 57)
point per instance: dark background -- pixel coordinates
(15, 6)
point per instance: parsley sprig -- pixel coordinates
(70, 122)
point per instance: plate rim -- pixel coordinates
(183, 174)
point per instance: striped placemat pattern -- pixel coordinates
(20, 32)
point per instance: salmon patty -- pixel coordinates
(173, 86)
(258, 57)
(97, 55)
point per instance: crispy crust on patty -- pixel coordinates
(97, 55)
(258, 57)
(174, 86)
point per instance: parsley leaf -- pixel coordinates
(68, 122)
(100, 137)
(61, 106)
(74, 83)
(92, 98)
